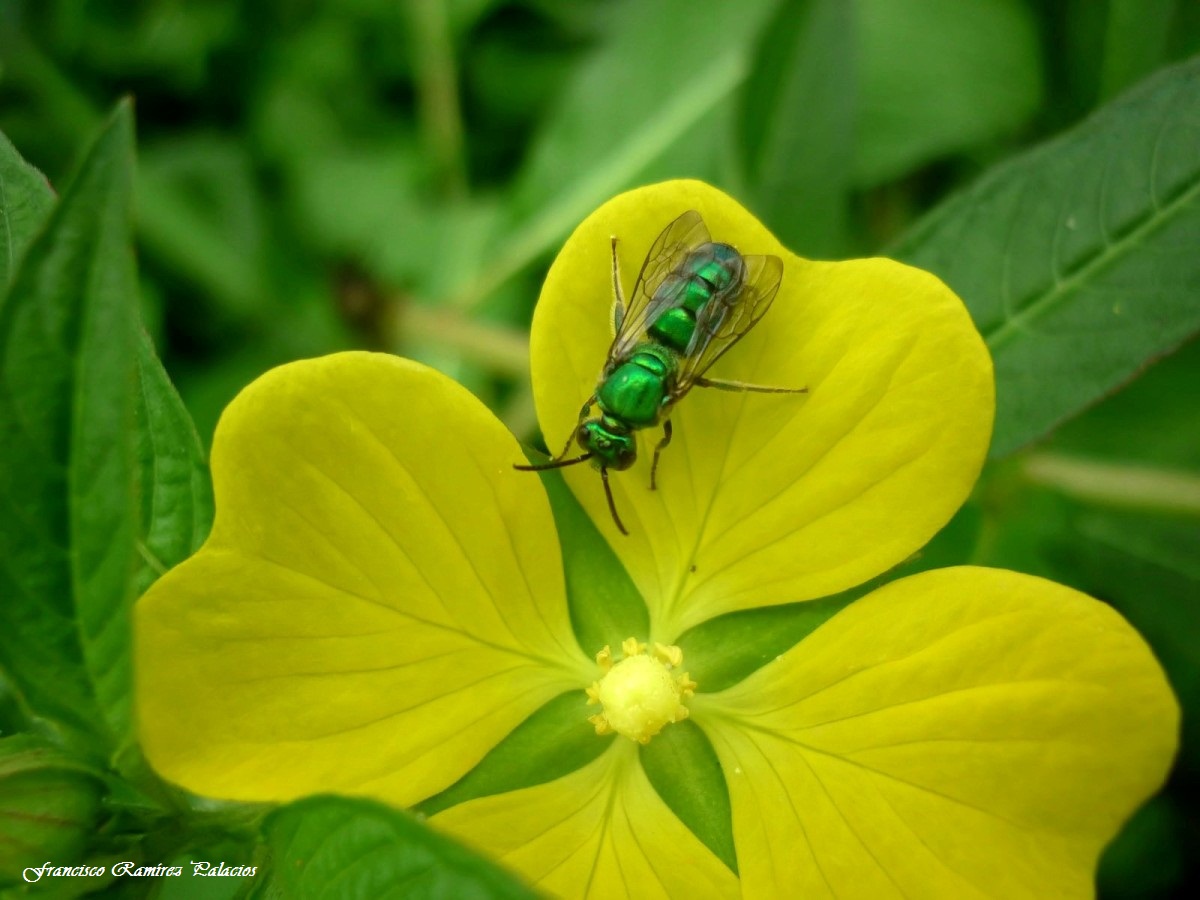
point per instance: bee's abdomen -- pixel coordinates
(709, 270)
(674, 328)
(718, 265)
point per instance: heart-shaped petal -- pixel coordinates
(964, 732)
(770, 498)
(379, 603)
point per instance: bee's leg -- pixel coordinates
(618, 307)
(612, 506)
(666, 439)
(571, 437)
(744, 386)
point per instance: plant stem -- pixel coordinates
(438, 108)
(504, 349)
(1116, 484)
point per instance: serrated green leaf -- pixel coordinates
(1148, 422)
(67, 464)
(176, 493)
(49, 805)
(325, 847)
(25, 201)
(798, 113)
(1078, 260)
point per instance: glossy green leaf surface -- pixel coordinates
(337, 847)
(1078, 260)
(67, 464)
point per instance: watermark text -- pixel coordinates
(130, 869)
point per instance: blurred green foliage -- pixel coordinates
(397, 174)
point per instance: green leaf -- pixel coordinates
(940, 76)
(798, 111)
(49, 806)
(176, 493)
(25, 201)
(340, 847)
(234, 852)
(67, 462)
(1078, 260)
(1158, 405)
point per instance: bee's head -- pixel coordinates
(612, 444)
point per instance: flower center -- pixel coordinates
(641, 693)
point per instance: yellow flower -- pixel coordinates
(382, 601)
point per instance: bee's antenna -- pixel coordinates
(612, 507)
(553, 464)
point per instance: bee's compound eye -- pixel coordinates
(587, 437)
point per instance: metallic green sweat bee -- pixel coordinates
(694, 299)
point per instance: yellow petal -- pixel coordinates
(380, 600)
(961, 733)
(769, 498)
(601, 832)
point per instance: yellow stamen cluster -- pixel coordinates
(641, 693)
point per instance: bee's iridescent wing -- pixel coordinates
(726, 320)
(654, 291)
